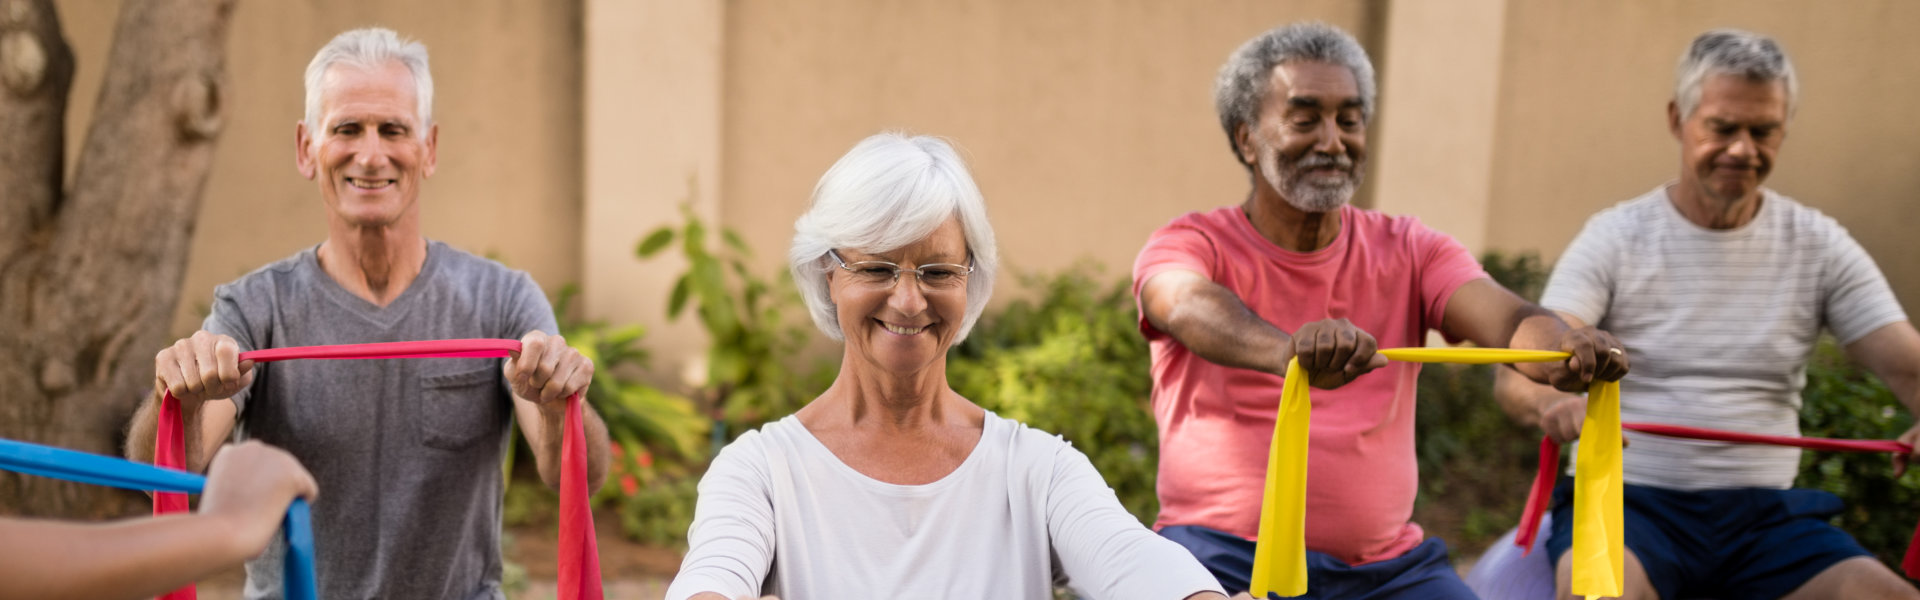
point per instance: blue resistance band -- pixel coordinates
(71, 465)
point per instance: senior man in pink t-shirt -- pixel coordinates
(1219, 292)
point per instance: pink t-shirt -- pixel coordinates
(1391, 276)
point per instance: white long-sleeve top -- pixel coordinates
(779, 513)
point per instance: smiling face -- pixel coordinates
(1727, 145)
(1311, 140)
(901, 327)
(369, 152)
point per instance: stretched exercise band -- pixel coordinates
(579, 556)
(1550, 462)
(1280, 560)
(72, 465)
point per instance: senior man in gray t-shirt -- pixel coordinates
(408, 451)
(1720, 287)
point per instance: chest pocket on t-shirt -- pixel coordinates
(456, 410)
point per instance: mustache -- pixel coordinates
(1315, 160)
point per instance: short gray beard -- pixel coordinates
(1305, 195)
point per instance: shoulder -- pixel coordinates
(1799, 219)
(1209, 222)
(1633, 213)
(273, 278)
(1030, 451)
(460, 265)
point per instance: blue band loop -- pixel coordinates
(73, 465)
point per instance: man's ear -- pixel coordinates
(1673, 118)
(303, 150)
(432, 158)
(1243, 144)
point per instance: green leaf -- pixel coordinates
(734, 241)
(655, 242)
(677, 299)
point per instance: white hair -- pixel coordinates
(1241, 87)
(889, 191)
(1732, 52)
(371, 48)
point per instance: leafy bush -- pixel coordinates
(752, 337)
(1844, 401)
(1073, 363)
(1475, 463)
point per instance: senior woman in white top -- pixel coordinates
(890, 484)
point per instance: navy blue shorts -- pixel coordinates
(1737, 543)
(1422, 572)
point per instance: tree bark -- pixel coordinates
(89, 276)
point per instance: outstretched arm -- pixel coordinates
(1215, 324)
(248, 489)
(1892, 353)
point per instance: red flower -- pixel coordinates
(646, 459)
(617, 451)
(629, 485)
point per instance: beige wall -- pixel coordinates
(1087, 124)
(507, 88)
(1583, 116)
(570, 129)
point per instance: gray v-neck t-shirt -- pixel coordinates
(407, 452)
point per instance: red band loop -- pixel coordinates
(579, 556)
(1550, 461)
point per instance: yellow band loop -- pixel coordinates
(1280, 556)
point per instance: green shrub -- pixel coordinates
(753, 338)
(1844, 401)
(1475, 463)
(1073, 363)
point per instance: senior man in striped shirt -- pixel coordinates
(1720, 288)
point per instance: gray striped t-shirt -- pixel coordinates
(1721, 324)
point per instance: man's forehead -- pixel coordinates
(1315, 83)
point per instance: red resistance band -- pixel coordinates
(1550, 461)
(579, 556)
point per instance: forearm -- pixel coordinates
(1216, 326)
(547, 448)
(126, 559)
(1536, 329)
(142, 434)
(1523, 399)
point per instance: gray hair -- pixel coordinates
(889, 191)
(372, 48)
(1732, 52)
(1241, 87)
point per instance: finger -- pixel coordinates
(532, 346)
(582, 378)
(558, 375)
(1324, 347)
(547, 372)
(189, 383)
(226, 358)
(1585, 352)
(1365, 351)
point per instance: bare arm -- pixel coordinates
(1491, 316)
(1892, 353)
(1558, 414)
(246, 496)
(542, 376)
(203, 372)
(1215, 324)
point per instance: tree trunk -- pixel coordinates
(89, 275)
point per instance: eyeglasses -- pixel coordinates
(880, 274)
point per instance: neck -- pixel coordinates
(374, 263)
(1289, 227)
(1713, 213)
(890, 401)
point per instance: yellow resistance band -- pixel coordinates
(1599, 568)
